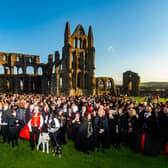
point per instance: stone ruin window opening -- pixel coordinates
(84, 43)
(60, 82)
(109, 85)
(61, 67)
(130, 86)
(18, 59)
(80, 32)
(101, 85)
(20, 71)
(5, 58)
(48, 84)
(78, 44)
(30, 70)
(40, 71)
(53, 69)
(75, 42)
(30, 60)
(7, 70)
(1, 69)
(7, 84)
(21, 84)
(15, 70)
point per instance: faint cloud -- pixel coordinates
(111, 49)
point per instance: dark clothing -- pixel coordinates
(75, 127)
(69, 126)
(20, 114)
(36, 132)
(134, 134)
(153, 141)
(84, 140)
(27, 115)
(95, 130)
(103, 138)
(13, 130)
(55, 138)
(123, 128)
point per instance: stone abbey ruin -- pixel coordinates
(73, 74)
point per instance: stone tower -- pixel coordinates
(78, 62)
(131, 83)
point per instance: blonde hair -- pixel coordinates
(132, 112)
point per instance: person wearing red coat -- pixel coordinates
(34, 125)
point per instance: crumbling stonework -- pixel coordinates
(73, 74)
(131, 83)
(105, 86)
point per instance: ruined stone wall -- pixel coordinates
(131, 83)
(78, 64)
(105, 86)
(73, 74)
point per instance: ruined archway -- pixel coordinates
(101, 84)
(131, 83)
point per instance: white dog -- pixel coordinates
(44, 139)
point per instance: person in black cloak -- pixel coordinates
(62, 120)
(54, 130)
(103, 134)
(134, 134)
(69, 118)
(75, 125)
(123, 124)
(163, 122)
(95, 128)
(112, 126)
(27, 112)
(13, 126)
(152, 140)
(84, 139)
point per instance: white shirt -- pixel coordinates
(0, 116)
(75, 108)
(57, 125)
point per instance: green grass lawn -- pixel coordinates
(116, 158)
(141, 99)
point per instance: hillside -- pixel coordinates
(154, 85)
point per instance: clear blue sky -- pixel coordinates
(129, 34)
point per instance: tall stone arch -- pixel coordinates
(131, 83)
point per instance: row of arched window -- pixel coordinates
(79, 43)
(29, 70)
(102, 84)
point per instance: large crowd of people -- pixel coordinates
(94, 123)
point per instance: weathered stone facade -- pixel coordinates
(22, 73)
(73, 74)
(105, 85)
(78, 62)
(131, 83)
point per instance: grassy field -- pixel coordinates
(141, 99)
(117, 158)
